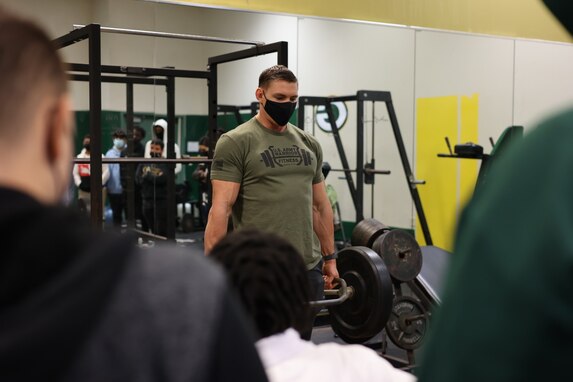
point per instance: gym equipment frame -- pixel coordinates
(136, 75)
(236, 110)
(364, 171)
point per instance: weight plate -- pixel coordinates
(365, 314)
(408, 323)
(366, 232)
(401, 254)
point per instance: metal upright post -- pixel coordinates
(171, 207)
(356, 197)
(212, 108)
(94, 42)
(408, 171)
(131, 167)
(301, 111)
(359, 159)
(282, 53)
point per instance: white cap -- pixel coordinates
(161, 122)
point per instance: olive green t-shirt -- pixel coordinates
(276, 172)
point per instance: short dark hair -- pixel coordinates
(30, 71)
(270, 277)
(157, 142)
(277, 72)
(119, 133)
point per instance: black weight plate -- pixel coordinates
(401, 254)
(365, 314)
(408, 323)
(366, 232)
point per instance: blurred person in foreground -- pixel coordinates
(507, 312)
(75, 304)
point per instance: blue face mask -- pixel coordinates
(119, 143)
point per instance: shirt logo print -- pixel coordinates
(286, 156)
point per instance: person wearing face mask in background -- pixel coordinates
(267, 173)
(81, 173)
(201, 175)
(152, 177)
(138, 152)
(160, 132)
(115, 191)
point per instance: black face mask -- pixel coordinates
(155, 155)
(280, 112)
(87, 147)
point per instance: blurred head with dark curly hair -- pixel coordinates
(270, 278)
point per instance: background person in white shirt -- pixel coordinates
(270, 278)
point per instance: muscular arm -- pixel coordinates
(322, 222)
(224, 196)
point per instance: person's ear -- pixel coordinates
(259, 94)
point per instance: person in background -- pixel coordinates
(507, 309)
(277, 303)
(77, 304)
(201, 175)
(138, 152)
(115, 191)
(160, 132)
(152, 177)
(138, 147)
(81, 175)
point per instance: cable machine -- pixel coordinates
(364, 172)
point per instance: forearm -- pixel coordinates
(324, 229)
(322, 220)
(216, 226)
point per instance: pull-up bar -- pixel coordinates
(173, 35)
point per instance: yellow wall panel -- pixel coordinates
(436, 119)
(449, 182)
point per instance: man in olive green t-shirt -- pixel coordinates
(267, 174)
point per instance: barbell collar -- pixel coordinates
(375, 172)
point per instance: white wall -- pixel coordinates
(340, 58)
(543, 80)
(459, 64)
(237, 81)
